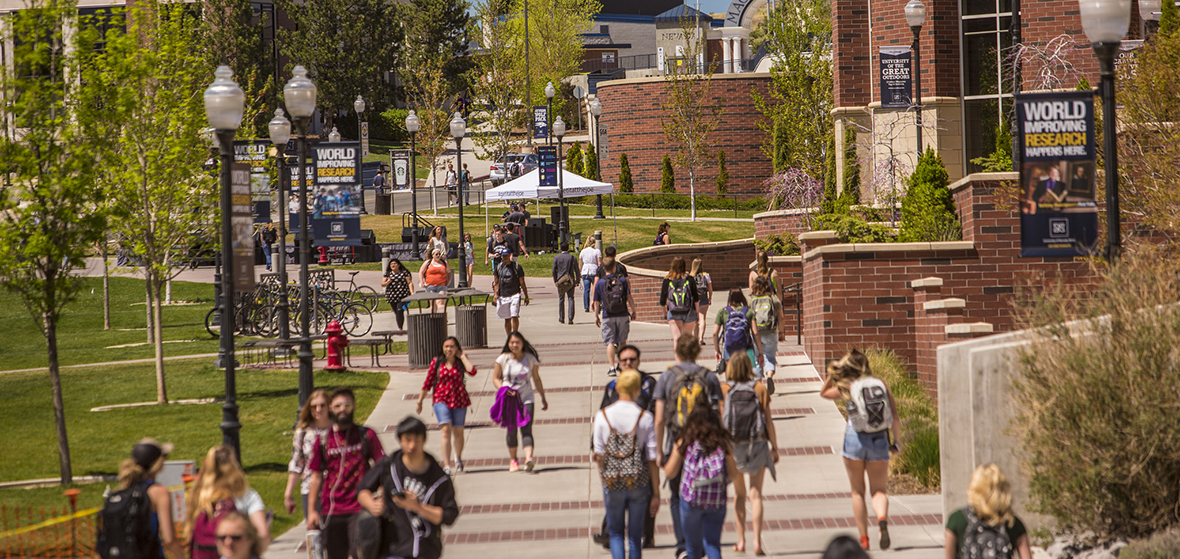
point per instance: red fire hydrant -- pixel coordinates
(323, 257)
(337, 341)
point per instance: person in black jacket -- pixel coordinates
(564, 264)
(629, 359)
(411, 495)
(678, 293)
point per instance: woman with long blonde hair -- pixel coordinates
(872, 414)
(313, 424)
(704, 297)
(138, 473)
(221, 488)
(762, 269)
(987, 516)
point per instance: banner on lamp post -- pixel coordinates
(242, 224)
(365, 139)
(547, 165)
(256, 154)
(337, 203)
(400, 169)
(541, 121)
(897, 84)
(1058, 196)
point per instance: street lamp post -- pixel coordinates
(280, 132)
(915, 15)
(562, 222)
(549, 93)
(224, 105)
(596, 110)
(299, 95)
(412, 127)
(334, 135)
(1105, 23)
(359, 107)
(458, 130)
(1149, 12)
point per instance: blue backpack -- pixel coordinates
(737, 330)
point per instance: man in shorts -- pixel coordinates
(611, 313)
(510, 289)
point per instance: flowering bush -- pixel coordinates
(794, 189)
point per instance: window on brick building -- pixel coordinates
(987, 87)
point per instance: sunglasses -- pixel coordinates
(621, 359)
(230, 538)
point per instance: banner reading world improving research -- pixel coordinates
(1058, 200)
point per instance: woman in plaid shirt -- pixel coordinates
(705, 454)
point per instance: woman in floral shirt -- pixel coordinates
(451, 401)
(313, 424)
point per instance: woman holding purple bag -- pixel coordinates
(517, 368)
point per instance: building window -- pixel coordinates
(103, 21)
(604, 29)
(986, 84)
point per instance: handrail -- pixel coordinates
(797, 288)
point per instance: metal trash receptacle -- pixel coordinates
(426, 332)
(471, 326)
(382, 204)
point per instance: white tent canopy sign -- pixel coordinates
(528, 186)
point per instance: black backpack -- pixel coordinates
(984, 541)
(124, 526)
(614, 296)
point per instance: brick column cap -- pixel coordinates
(970, 328)
(926, 282)
(949, 303)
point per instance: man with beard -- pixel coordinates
(340, 459)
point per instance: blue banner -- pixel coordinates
(541, 121)
(547, 158)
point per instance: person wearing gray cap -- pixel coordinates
(125, 527)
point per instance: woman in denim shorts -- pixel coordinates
(446, 378)
(864, 452)
(678, 293)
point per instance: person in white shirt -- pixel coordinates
(591, 258)
(626, 453)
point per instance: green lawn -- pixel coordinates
(100, 440)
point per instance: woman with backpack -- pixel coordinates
(734, 331)
(762, 269)
(678, 293)
(987, 521)
(872, 414)
(704, 297)
(313, 423)
(769, 322)
(221, 488)
(445, 378)
(755, 442)
(151, 532)
(703, 458)
(516, 369)
(662, 236)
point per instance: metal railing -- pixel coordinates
(649, 61)
(797, 289)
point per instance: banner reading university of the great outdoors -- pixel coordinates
(897, 86)
(1058, 206)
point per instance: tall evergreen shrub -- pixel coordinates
(667, 176)
(626, 183)
(927, 210)
(722, 173)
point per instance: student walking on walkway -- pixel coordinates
(434, 275)
(624, 441)
(734, 331)
(221, 488)
(591, 258)
(987, 523)
(137, 484)
(510, 289)
(770, 323)
(614, 309)
(566, 276)
(445, 378)
(517, 368)
(398, 284)
(678, 294)
(312, 425)
(704, 297)
(755, 442)
(872, 413)
(762, 269)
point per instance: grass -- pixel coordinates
(919, 420)
(100, 440)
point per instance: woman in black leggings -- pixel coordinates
(398, 284)
(519, 368)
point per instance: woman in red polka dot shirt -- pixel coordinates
(451, 401)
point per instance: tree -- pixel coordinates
(439, 29)
(667, 176)
(156, 173)
(828, 205)
(430, 94)
(498, 83)
(781, 149)
(626, 183)
(850, 190)
(573, 159)
(346, 45)
(722, 173)
(690, 115)
(1169, 19)
(555, 42)
(927, 210)
(52, 214)
(591, 163)
(232, 35)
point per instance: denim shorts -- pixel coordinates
(690, 316)
(866, 447)
(455, 417)
(436, 289)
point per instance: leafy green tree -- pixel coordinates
(1169, 19)
(626, 183)
(497, 82)
(781, 159)
(689, 113)
(430, 94)
(232, 35)
(828, 205)
(927, 209)
(591, 163)
(52, 213)
(554, 40)
(439, 29)
(850, 191)
(667, 176)
(573, 160)
(346, 45)
(722, 173)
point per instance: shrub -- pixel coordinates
(722, 173)
(573, 159)
(828, 205)
(1162, 545)
(626, 184)
(591, 164)
(394, 121)
(927, 210)
(919, 455)
(852, 229)
(667, 176)
(1095, 400)
(681, 202)
(781, 244)
(1000, 159)
(850, 193)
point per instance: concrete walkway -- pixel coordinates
(552, 513)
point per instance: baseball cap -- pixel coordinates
(148, 450)
(503, 250)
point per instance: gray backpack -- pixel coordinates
(984, 541)
(743, 413)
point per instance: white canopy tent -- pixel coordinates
(528, 186)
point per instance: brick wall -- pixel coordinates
(781, 221)
(939, 43)
(851, 60)
(631, 113)
(727, 262)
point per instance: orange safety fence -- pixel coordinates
(46, 532)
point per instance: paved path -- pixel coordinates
(552, 512)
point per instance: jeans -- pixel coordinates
(674, 508)
(704, 526)
(769, 349)
(564, 300)
(266, 252)
(587, 287)
(634, 505)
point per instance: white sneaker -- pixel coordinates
(447, 470)
(529, 464)
(613, 371)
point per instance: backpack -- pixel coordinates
(737, 330)
(614, 296)
(507, 275)
(688, 390)
(984, 540)
(702, 287)
(764, 315)
(124, 526)
(204, 538)
(679, 299)
(702, 474)
(366, 452)
(868, 405)
(659, 240)
(624, 466)
(743, 413)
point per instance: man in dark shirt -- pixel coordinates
(512, 239)
(379, 181)
(620, 269)
(565, 264)
(510, 290)
(524, 210)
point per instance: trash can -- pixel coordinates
(471, 326)
(382, 204)
(426, 332)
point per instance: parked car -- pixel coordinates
(500, 172)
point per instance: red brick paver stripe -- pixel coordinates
(585, 458)
(583, 505)
(664, 529)
(777, 412)
(575, 389)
